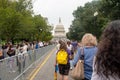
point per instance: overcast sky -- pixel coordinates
(53, 9)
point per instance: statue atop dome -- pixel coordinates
(59, 20)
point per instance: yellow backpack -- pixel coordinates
(62, 57)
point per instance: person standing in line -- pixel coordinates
(24, 53)
(11, 59)
(17, 51)
(107, 61)
(69, 46)
(20, 58)
(41, 44)
(89, 44)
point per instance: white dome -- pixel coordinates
(59, 28)
(59, 31)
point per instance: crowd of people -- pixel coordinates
(17, 53)
(24, 46)
(101, 60)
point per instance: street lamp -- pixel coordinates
(40, 29)
(95, 13)
(41, 32)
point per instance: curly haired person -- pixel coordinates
(107, 60)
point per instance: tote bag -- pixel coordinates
(77, 72)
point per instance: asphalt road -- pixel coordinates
(46, 72)
(6, 74)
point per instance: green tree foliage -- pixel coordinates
(86, 22)
(18, 23)
(41, 28)
(110, 9)
(10, 22)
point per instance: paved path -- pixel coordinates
(47, 70)
(6, 74)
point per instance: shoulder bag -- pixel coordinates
(77, 72)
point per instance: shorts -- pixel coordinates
(64, 69)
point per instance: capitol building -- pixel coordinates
(59, 32)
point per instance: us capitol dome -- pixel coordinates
(59, 32)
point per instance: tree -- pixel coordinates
(10, 23)
(110, 9)
(18, 23)
(80, 23)
(42, 28)
(86, 22)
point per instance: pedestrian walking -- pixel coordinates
(62, 59)
(58, 45)
(70, 47)
(56, 65)
(89, 49)
(107, 61)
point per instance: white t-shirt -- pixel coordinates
(25, 48)
(69, 47)
(41, 44)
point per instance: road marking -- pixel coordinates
(35, 72)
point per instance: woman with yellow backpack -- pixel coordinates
(62, 59)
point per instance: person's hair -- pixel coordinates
(63, 45)
(60, 41)
(68, 42)
(108, 56)
(89, 40)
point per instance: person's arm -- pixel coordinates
(76, 57)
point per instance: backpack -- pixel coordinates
(62, 57)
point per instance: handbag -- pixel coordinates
(77, 72)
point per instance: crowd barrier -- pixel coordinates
(18, 67)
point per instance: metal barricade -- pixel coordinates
(18, 67)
